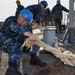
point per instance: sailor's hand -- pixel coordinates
(32, 39)
(27, 34)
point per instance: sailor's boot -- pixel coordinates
(12, 70)
(36, 61)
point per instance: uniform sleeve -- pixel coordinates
(38, 15)
(53, 9)
(64, 9)
(18, 29)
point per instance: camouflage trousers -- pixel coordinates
(11, 47)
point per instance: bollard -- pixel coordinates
(49, 35)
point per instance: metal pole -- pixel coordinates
(71, 22)
(38, 1)
(71, 13)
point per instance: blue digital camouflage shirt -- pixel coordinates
(57, 11)
(36, 10)
(11, 39)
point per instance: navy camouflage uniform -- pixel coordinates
(11, 39)
(36, 10)
(57, 14)
(19, 8)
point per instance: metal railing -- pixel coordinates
(65, 19)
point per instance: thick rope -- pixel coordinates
(66, 56)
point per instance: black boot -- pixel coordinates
(12, 70)
(36, 61)
(26, 50)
